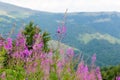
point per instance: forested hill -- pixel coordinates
(91, 32)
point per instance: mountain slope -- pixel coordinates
(99, 29)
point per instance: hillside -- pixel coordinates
(91, 32)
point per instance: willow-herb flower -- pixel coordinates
(118, 78)
(93, 58)
(70, 52)
(8, 44)
(63, 29)
(98, 73)
(58, 30)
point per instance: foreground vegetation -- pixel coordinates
(29, 57)
(110, 72)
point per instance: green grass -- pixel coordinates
(86, 38)
(54, 45)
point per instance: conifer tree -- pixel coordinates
(29, 32)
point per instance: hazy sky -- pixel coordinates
(72, 5)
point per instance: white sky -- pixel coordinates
(71, 5)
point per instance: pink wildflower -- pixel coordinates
(8, 44)
(93, 58)
(27, 53)
(70, 52)
(98, 73)
(63, 29)
(60, 65)
(37, 46)
(1, 43)
(3, 76)
(58, 30)
(118, 78)
(20, 41)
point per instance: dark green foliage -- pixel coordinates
(6, 60)
(46, 37)
(3, 57)
(29, 32)
(109, 73)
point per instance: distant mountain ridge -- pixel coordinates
(7, 6)
(100, 30)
